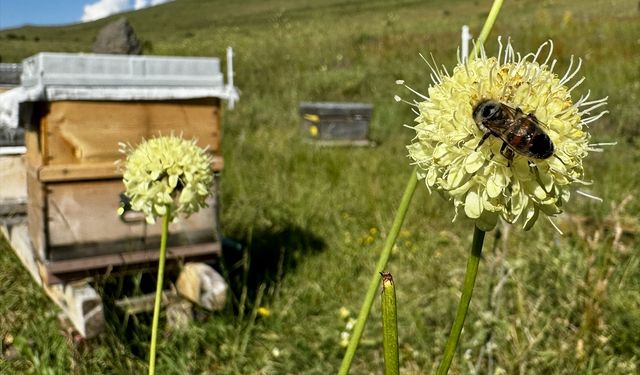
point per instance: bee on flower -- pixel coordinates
(502, 137)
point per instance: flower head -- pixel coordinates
(166, 172)
(486, 172)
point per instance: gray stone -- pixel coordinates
(118, 37)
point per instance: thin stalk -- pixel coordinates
(465, 299)
(252, 321)
(354, 341)
(478, 235)
(389, 326)
(158, 300)
(486, 28)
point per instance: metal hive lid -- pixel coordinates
(10, 74)
(48, 68)
(50, 76)
(336, 108)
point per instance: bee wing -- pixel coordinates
(517, 113)
(533, 118)
(513, 112)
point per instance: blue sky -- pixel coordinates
(15, 13)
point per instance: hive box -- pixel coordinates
(336, 123)
(74, 185)
(75, 110)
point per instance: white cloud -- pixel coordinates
(139, 4)
(104, 8)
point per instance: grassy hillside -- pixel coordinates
(313, 219)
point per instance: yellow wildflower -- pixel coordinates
(263, 312)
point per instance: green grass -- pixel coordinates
(313, 219)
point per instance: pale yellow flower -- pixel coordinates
(481, 180)
(166, 172)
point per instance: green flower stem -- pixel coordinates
(389, 326)
(156, 307)
(478, 235)
(465, 299)
(375, 279)
(488, 25)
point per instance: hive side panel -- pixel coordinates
(84, 215)
(76, 132)
(198, 118)
(86, 131)
(13, 179)
(84, 212)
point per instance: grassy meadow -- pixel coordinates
(312, 220)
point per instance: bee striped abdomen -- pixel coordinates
(541, 146)
(529, 140)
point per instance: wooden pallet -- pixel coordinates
(81, 304)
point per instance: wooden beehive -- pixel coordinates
(74, 185)
(13, 192)
(71, 111)
(75, 110)
(335, 123)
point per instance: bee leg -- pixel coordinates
(484, 138)
(507, 153)
(557, 157)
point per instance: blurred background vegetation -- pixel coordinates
(312, 220)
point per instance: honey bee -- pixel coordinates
(520, 132)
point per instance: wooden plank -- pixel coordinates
(341, 143)
(199, 120)
(32, 156)
(13, 175)
(36, 212)
(131, 258)
(43, 144)
(145, 302)
(89, 131)
(69, 172)
(79, 302)
(93, 171)
(178, 312)
(21, 245)
(86, 213)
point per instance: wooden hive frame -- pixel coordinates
(74, 185)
